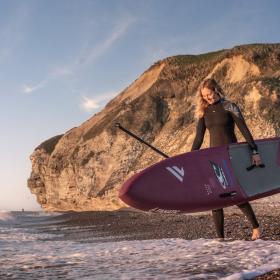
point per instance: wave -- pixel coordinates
(138, 259)
(6, 216)
(19, 217)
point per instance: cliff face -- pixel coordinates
(84, 168)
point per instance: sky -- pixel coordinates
(63, 61)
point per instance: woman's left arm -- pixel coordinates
(241, 124)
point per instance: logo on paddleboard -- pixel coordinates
(164, 211)
(177, 172)
(220, 174)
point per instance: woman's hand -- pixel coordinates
(256, 159)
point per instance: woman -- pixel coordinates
(219, 115)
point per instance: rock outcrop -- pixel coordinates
(83, 168)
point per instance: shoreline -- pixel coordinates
(129, 224)
(139, 225)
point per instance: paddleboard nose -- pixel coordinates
(131, 197)
(124, 190)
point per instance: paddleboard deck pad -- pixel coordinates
(206, 179)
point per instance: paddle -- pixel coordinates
(118, 125)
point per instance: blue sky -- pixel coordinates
(62, 61)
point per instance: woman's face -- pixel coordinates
(209, 95)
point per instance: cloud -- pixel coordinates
(30, 88)
(119, 31)
(91, 104)
(87, 56)
(55, 74)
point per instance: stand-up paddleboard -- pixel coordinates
(206, 179)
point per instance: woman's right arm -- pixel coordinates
(200, 131)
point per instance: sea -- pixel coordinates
(33, 245)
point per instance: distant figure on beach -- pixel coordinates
(22, 209)
(219, 116)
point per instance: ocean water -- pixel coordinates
(33, 246)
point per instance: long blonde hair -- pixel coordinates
(200, 103)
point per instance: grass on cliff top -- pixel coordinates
(190, 59)
(205, 57)
(49, 145)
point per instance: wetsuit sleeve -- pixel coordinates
(200, 131)
(241, 124)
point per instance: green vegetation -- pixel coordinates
(190, 59)
(49, 145)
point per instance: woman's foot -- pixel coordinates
(256, 233)
(221, 239)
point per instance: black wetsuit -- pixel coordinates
(219, 118)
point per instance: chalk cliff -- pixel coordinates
(84, 168)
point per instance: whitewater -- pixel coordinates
(33, 246)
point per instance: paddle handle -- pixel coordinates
(228, 194)
(118, 125)
(254, 165)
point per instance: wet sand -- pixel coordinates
(128, 224)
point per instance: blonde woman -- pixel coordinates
(219, 116)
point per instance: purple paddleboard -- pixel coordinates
(206, 179)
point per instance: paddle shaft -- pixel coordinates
(118, 125)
